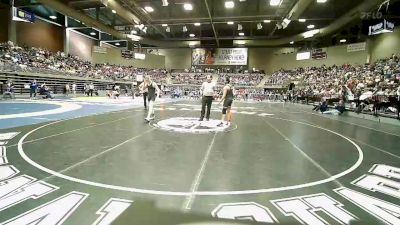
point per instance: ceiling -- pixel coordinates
(213, 17)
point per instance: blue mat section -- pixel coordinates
(87, 109)
(7, 108)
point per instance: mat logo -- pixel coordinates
(16, 188)
(192, 125)
(307, 209)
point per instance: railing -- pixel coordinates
(56, 83)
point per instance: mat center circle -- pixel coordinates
(192, 125)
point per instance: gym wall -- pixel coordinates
(268, 60)
(113, 56)
(384, 45)
(177, 58)
(40, 34)
(4, 20)
(80, 45)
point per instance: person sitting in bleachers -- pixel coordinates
(116, 89)
(322, 106)
(9, 90)
(45, 91)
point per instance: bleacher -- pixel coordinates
(55, 83)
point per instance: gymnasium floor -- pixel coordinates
(104, 152)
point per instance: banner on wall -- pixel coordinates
(99, 49)
(356, 47)
(126, 54)
(319, 53)
(125, 29)
(219, 56)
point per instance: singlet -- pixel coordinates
(229, 92)
(151, 90)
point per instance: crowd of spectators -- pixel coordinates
(349, 80)
(237, 79)
(240, 93)
(182, 91)
(345, 82)
(29, 59)
(281, 77)
(188, 78)
(242, 79)
(373, 86)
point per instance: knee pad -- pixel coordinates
(224, 110)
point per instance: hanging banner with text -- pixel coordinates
(22, 15)
(382, 27)
(219, 56)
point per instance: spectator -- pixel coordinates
(33, 88)
(45, 91)
(9, 90)
(91, 89)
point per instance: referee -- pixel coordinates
(153, 92)
(207, 90)
(144, 91)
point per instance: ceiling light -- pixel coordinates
(165, 3)
(92, 33)
(149, 9)
(229, 4)
(241, 34)
(230, 23)
(117, 44)
(267, 21)
(292, 42)
(184, 29)
(311, 26)
(343, 41)
(310, 33)
(165, 25)
(134, 37)
(275, 2)
(113, 11)
(53, 17)
(321, 1)
(240, 27)
(286, 21)
(192, 35)
(241, 42)
(188, 6)
(197, 24)
(302, 20)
